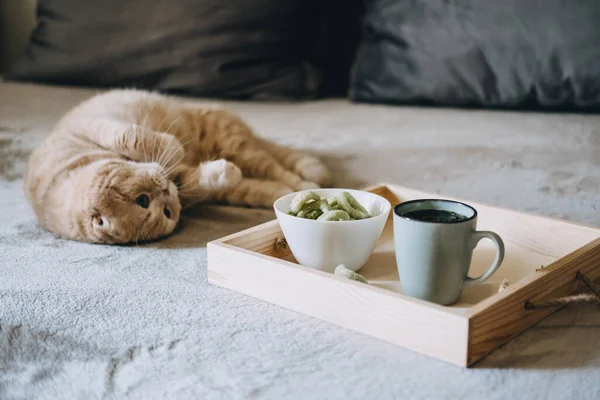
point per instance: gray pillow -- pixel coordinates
(247, 49)
(507, 54)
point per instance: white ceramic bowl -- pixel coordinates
(324, 245)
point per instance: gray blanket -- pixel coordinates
(81, 321)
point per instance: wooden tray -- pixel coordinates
(542, 258)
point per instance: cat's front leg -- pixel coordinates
(133, 141)
(144, 145)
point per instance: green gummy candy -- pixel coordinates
(335, 215)
(315, 214)
(302, 198)
(343, 271)
(309, 214)
(344, 207)
(349, 204)
(324, 206)
(311, 205)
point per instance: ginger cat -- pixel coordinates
(119, 167)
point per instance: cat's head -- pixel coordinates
(131, 202)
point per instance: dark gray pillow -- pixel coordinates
(506, 54)
(336, 44)
(247, 49)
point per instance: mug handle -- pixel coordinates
(477, 236)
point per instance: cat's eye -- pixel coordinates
(143, 200)
(177, 182)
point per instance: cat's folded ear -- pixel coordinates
(100, 221)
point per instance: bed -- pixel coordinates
(80, 321)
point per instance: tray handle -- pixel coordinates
(584, 297)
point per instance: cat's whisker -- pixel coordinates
(193, 177)
(174, 165)
(161, 154)
(164, 164)
(144, 149)
(144, 129)
(147, 115)
(174, 151)
(155, 157)
(137, 235)
(212, 157)
(187, 189)
(159, 151)
(142, 235)
(171, 168)
(167, 173)
(162, 122)
(158, 130)
(153, 146)
(176, 120)
(188, 181)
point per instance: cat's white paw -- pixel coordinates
(220, 174)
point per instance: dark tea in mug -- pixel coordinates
(433, 215)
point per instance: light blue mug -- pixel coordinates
(434, 241)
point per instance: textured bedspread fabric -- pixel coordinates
(81, 321)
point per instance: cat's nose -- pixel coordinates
(167, 212)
